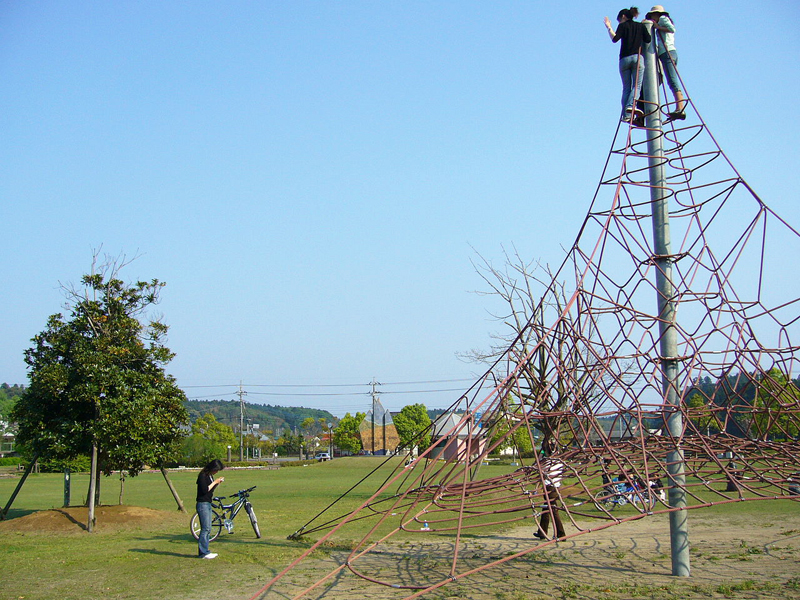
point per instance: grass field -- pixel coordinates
(154, 557)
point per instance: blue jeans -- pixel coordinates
(205, 515)
(631, 70)
(670, 73)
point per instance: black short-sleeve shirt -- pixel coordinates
(203, 481)
(633, 35)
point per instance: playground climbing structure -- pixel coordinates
(588, 372)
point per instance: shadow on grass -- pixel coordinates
(189, 554)
(14, 513)
(186, 538)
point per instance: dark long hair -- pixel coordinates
(214, 465)
(631, 13)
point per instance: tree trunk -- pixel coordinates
(90, 500)
(173, 490)
(97, 476)
(121, 485)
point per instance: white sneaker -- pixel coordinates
(210, 555)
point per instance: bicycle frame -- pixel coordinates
(228, 511)
(224, 514)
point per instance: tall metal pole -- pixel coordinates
(374, 415)
(678, 528)
(241, 393)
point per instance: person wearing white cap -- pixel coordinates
(665, 43)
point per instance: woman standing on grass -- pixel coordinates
(205, 487)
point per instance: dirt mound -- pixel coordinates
(74, 519)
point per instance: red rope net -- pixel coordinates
(587, 374)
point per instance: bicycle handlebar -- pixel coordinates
(238, 494)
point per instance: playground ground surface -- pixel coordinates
(746, 550)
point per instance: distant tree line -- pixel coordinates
(745, 405)
(270, 418)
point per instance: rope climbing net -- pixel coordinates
(587, 377)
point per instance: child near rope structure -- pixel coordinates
(554, 471)
(631, 62)
(664, 30)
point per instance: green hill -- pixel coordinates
(268, 417)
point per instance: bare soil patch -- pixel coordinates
(74, 519)
(735, 558)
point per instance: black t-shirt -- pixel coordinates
(633, 35)
(203, 481)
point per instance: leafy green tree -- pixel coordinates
(413, 426)
(775, 403)
(8, 398)
(701, 415)
(289, 444)
(6, 405)
(97, 383)
(209, 440)
(520, 439)
(345, 436)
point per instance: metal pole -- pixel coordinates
(241, 393)
(66, 487)
(679, 535)
(373, 416)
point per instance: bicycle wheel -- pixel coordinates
(216, 526)
(253, 521)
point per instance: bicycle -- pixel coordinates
(224, 514)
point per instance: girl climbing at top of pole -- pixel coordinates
(631, 64)
(664, 30)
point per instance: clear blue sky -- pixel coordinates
(310, 178)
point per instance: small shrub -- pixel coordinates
(80, 464)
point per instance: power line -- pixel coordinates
(326, 385)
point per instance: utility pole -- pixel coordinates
(668, 348)
(241, 393)
(374, 414)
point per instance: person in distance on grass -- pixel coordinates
(205, 488)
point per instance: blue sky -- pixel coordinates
(311, 179)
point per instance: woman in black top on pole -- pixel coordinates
(631, 62)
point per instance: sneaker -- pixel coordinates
(210, 555)
(540, 535)
(678, 115)
(626, 115)
(638, 121)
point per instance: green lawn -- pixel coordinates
(157, 560)
(110, 563)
